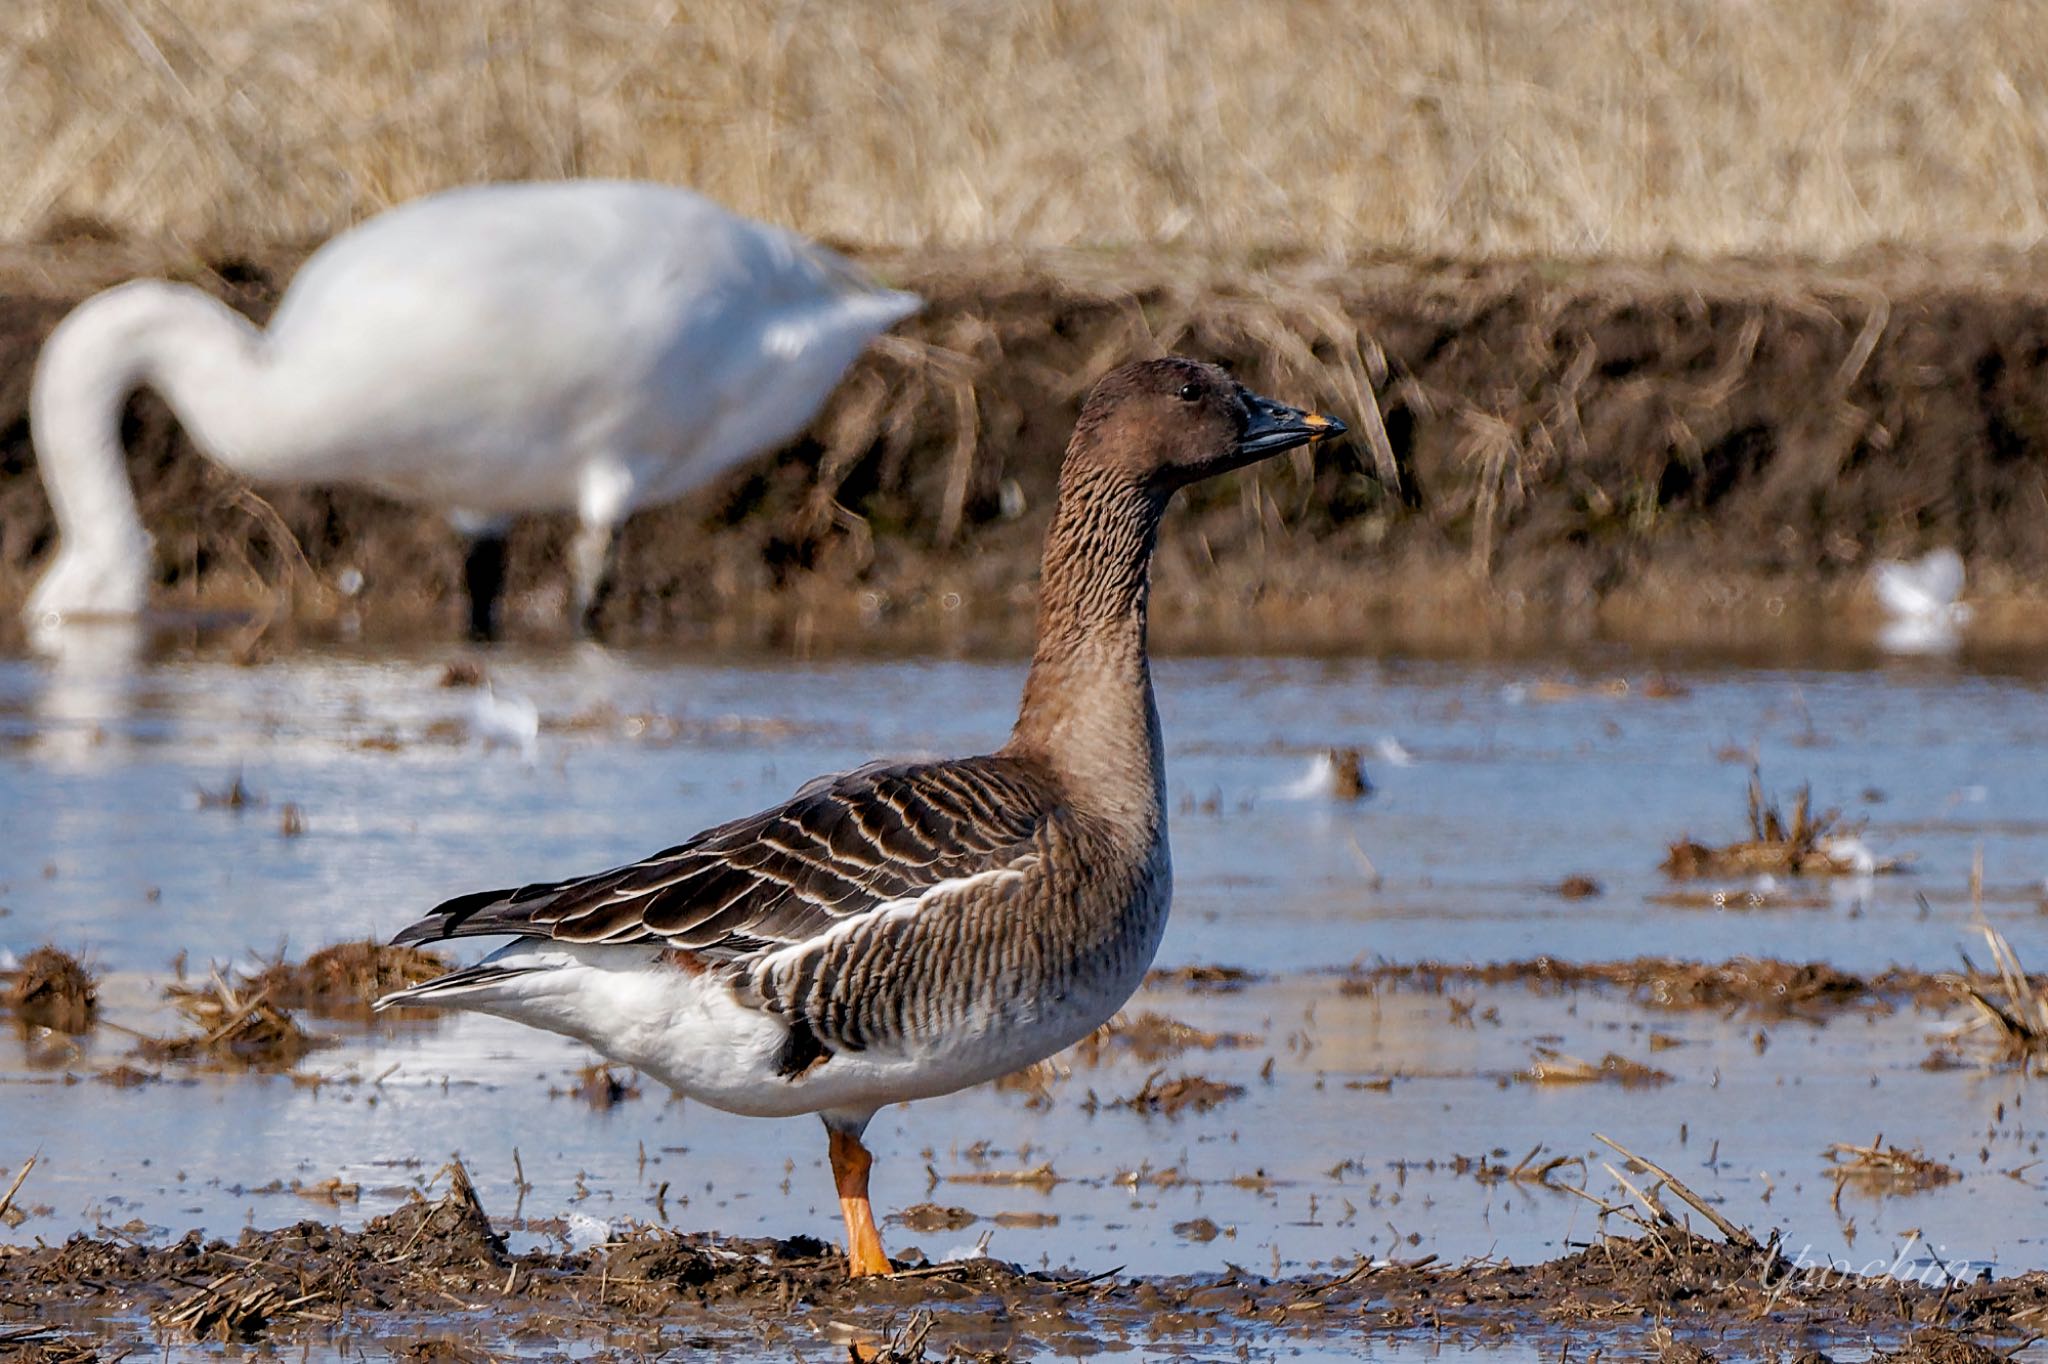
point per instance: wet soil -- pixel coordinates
(1764, 987)
(439, 1264)
(1646, 444)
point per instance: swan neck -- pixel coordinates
(187, 346)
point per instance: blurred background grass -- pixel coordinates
(1554, 127)
(1690, 303)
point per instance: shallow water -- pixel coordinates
(1509, 788)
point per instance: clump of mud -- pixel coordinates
(930, 1217)
(1553, 1067)
(52, 989)
(600, 1087)
(346, 979)
(1347, 774)
(1150, 1037)
(1805, 844)
(1213, 980)
(1182, 1094)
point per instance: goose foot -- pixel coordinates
(850, 1162)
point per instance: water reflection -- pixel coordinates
(92, 672)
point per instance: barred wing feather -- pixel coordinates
(836, 851)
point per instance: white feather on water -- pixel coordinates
(1852, 851)
(513, 721)
(583, 1232)
(1921, 600)
(1327, 779)
(962, 1254)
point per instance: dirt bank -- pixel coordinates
(1653, 448)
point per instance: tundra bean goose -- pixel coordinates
(908, 929)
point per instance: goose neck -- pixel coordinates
(1088, 709)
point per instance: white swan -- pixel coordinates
(589, 346)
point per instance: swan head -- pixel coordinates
(92, 580)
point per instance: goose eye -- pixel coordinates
(1190, 392)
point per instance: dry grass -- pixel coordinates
(231, 1029)
(2011, 1023)
(1549, 126)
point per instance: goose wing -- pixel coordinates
(842, 847)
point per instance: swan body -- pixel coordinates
(588, 347)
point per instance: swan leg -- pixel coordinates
(850, 1163)
(590, 570)
(483, 572)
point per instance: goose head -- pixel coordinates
(1168, 423)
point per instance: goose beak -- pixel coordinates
(1275, 427)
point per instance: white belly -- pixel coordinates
(691, 1033)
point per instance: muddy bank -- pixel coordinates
(439, 1268)
(1649, 447)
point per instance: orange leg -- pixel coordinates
(850, 1162)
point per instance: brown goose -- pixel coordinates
(906, 930)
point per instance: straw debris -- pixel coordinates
(232, 1029)
(2011, 1024)
(1766, 987)
(1219, 980)
(1878, 1168)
